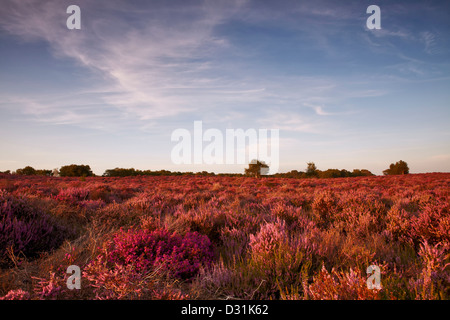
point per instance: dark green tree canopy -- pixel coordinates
(27, 171)
(400, 167)
(121, 172)
(257, 168)
(30, 171)
(75, 170)
(311, 170)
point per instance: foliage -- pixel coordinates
(25, 230)
(27, 171)
(311, 170)
(131, 172)
(181, 256)
(74, 170)
(400, 167)
(222, 237)
(256, 168)
(30, 171)
(336, 285)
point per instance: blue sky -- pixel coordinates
(110, 95)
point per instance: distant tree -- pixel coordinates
(400, 167)
(121, 172)
(204, 173)
(44, 172)
(361, 173)
(311, 170)
(257, 168)
(295, 174)
(74, 170)
(27, 171)
(330, 173)
(367, 173)
(345, 173)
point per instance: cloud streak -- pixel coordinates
(295, 66)
(155, 71)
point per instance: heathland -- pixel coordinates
(218, 237)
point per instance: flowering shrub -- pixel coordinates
(181, 256)
(73, 195)
(25, 229)
(18, 294)
(237, 281)
(206, 220)
(103, 193)
(272, 237)
(291, 215)
(433, 282)
(49, 289)
(92, 205)
(398, 224)
(120, 282)
(324, 206)
(234, 242)
(126, 282)
(115, 216)
(276, 258)
(433, 223)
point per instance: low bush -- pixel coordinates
(26, 230)
(181, 256)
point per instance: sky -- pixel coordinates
(112, 93)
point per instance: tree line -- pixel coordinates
(258, 168)
(255, 168)
(73, 170)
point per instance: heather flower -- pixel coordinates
(398, 224)
(432, 223)
(204, 219)
(141, 201)
(273, 236)
(49, 289)
(119, 282)
(278, 258)
(18, 294)
(26, 230)
(92, 205)
(180, 256)
(324, 207)
(234, 241)
(434, 280)
(289, 214)
(73, 195)
(269, 238)
(349, 285)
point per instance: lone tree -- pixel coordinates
(257, 168)
(400, 167)
(30, 171)
(74, 170)
(311, 170)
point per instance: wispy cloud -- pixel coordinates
(291, 122)
(430, 41)
(318, 109)
(166, 61)
(155, 70)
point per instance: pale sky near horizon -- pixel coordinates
(111, 94)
